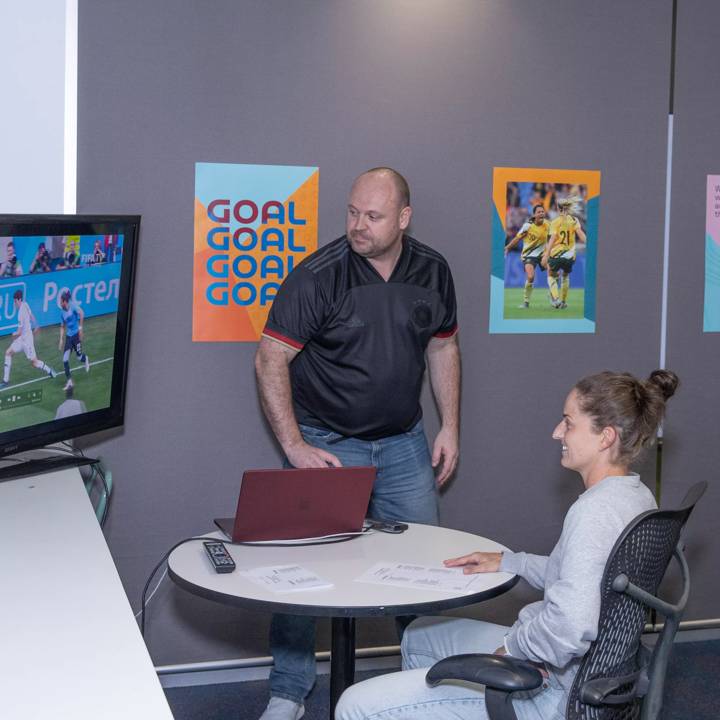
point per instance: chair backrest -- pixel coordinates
(642, 554)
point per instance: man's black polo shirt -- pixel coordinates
(362, 340)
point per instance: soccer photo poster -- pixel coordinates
(544, 249)
(253, 225)
(711, 319)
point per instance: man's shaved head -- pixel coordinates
(401, 186)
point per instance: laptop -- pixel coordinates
(291, 504)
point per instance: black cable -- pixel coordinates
(673, 49)
(157, 567)
(344, 538)
(68, 449)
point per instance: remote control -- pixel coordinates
(219, 557)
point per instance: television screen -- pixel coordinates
(65, 298)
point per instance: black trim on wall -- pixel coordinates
(672, 58)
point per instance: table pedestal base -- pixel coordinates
(342, 659)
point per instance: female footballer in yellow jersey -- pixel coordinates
(559, 255)
(534, 235)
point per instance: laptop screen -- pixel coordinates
(295, 503)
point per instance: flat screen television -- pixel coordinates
(65, 305)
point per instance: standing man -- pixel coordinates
(339, 371)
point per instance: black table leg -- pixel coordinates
(342, 659)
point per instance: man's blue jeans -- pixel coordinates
(404, 489)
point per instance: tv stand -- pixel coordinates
(37, 466)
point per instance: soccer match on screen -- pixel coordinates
(58, 315)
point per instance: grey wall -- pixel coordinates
(692, 442)
(442, 91)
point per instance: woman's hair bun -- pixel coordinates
(666, 381)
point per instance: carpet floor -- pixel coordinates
(692, 691)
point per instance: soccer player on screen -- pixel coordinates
(559, 255)
(71, 332)
(534, 235)
(24, 340)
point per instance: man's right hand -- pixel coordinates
(302, 455)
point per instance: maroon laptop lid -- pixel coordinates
(302, 503)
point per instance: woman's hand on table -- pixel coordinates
(477, 562)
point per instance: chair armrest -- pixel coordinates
(599, 691)
(501, 672)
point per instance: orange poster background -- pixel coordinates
(503, 175)
(232, 322)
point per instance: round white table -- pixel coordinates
(341, 563)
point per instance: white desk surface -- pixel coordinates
(69, 645)
(340, 563)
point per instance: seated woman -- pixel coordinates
(608, 420)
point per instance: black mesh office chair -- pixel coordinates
(619, 678)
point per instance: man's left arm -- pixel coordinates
(443, 356)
